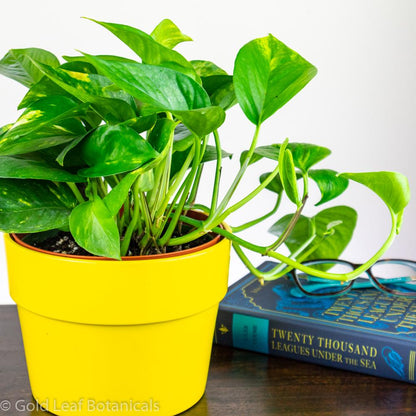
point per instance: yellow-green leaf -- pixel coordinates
(168, 34)
(94, 228)
(267, 74)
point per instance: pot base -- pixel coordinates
(105, 337)
(105, 370)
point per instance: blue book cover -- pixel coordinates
(364, 330)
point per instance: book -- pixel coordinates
(364, 330)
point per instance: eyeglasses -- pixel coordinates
(395, 277)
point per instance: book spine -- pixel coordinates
(377, 355)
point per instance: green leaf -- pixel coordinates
(391, 187)
(111, 150)
(22, 168)
(148, 49)
(221, 91)
(28, 206)
(267, 74)
(48, 122)
(303, 230)
(116, 197)
(329, 183)
(275, 185)
(161, 135)
(94, 229)
(168, 34)
(99, 91)
(210, 154)
(183, 144)
(270, 152)
(306, 155)
(217, 83)
(18, 64)
(288, 175)
(333, 245)
(162, 89)
(183, 138)
(4, 129)
(146, 181)
(46, 87)
(83, 58)
(335, 226)
(79, 66)
(60, 158)
(207, 69)
(254, 158)
(141, 124)
(202, 121)
(161, 139)
(178, 161)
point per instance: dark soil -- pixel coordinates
(63, 242)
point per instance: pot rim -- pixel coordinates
(16, 237)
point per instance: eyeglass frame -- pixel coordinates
(349, 284)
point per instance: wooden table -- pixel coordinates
(240, 384)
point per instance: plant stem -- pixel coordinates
(133, 222)
(305, 177)
(343, 276)
(101, 189)
(227, 234)
(260, 219)
(250, 196)
(172, 206)
(215, 191)
(149, 236)
(158, 208)
(296, 264)
(125, 218)
(154, 195)
(178, 209)
(217, 216)
(197, 180)
(240, 173)
(162, 210)
(173, 186)
(289, 227)
(281, 269)
(195, 186)
(200, 207)
(247, 262)
(76, 192)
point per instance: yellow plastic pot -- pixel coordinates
(105, 337)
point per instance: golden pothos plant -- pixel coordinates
(111, 150)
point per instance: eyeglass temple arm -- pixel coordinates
(358, 284)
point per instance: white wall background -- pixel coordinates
(362, 104)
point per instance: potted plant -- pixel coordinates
(117, 271)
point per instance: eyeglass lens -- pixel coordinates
(396, 276)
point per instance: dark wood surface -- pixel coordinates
(240, 383)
